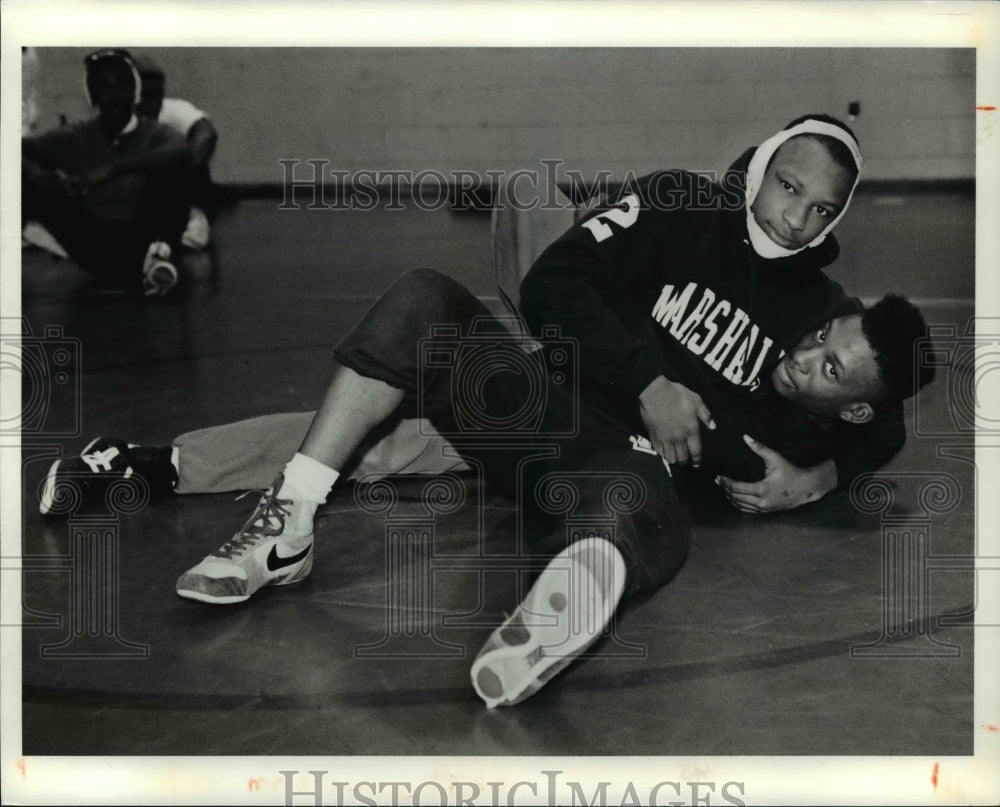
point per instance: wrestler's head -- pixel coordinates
(853, 366)
(113, 86)
(799, 184)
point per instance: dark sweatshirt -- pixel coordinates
(664, 281)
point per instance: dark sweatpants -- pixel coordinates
(113, 251)
(495, 402)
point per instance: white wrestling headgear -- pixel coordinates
(762, 244)
(111, 53)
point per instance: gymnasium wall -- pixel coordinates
(500, 109)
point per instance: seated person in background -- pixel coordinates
(111, 190)
(194, 126)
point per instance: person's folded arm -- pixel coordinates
(202, 138)
(168, 151)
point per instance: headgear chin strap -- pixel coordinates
(761, 242)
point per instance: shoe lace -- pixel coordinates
(267, 521)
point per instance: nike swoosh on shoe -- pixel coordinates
(275, 561)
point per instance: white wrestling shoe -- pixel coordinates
(274, 548)
(565, 612)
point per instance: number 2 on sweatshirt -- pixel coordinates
(623, 217)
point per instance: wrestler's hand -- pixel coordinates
(785, 486)
(672, 414)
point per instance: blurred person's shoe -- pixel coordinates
(159, 275)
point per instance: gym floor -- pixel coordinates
(832, 630)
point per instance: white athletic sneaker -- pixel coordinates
(565, 612)
(196, 234)
(159, 275)
(274, 548)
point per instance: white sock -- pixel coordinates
(307, 480)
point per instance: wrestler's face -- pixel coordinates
(802, 191)
(112, 89)
(831, 372)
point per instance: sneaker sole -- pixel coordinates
(511, 673)
(201, 596)
(49, 489)
(161, 280)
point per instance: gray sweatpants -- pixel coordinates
(249, 454)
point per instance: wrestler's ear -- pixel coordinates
(857, 413)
